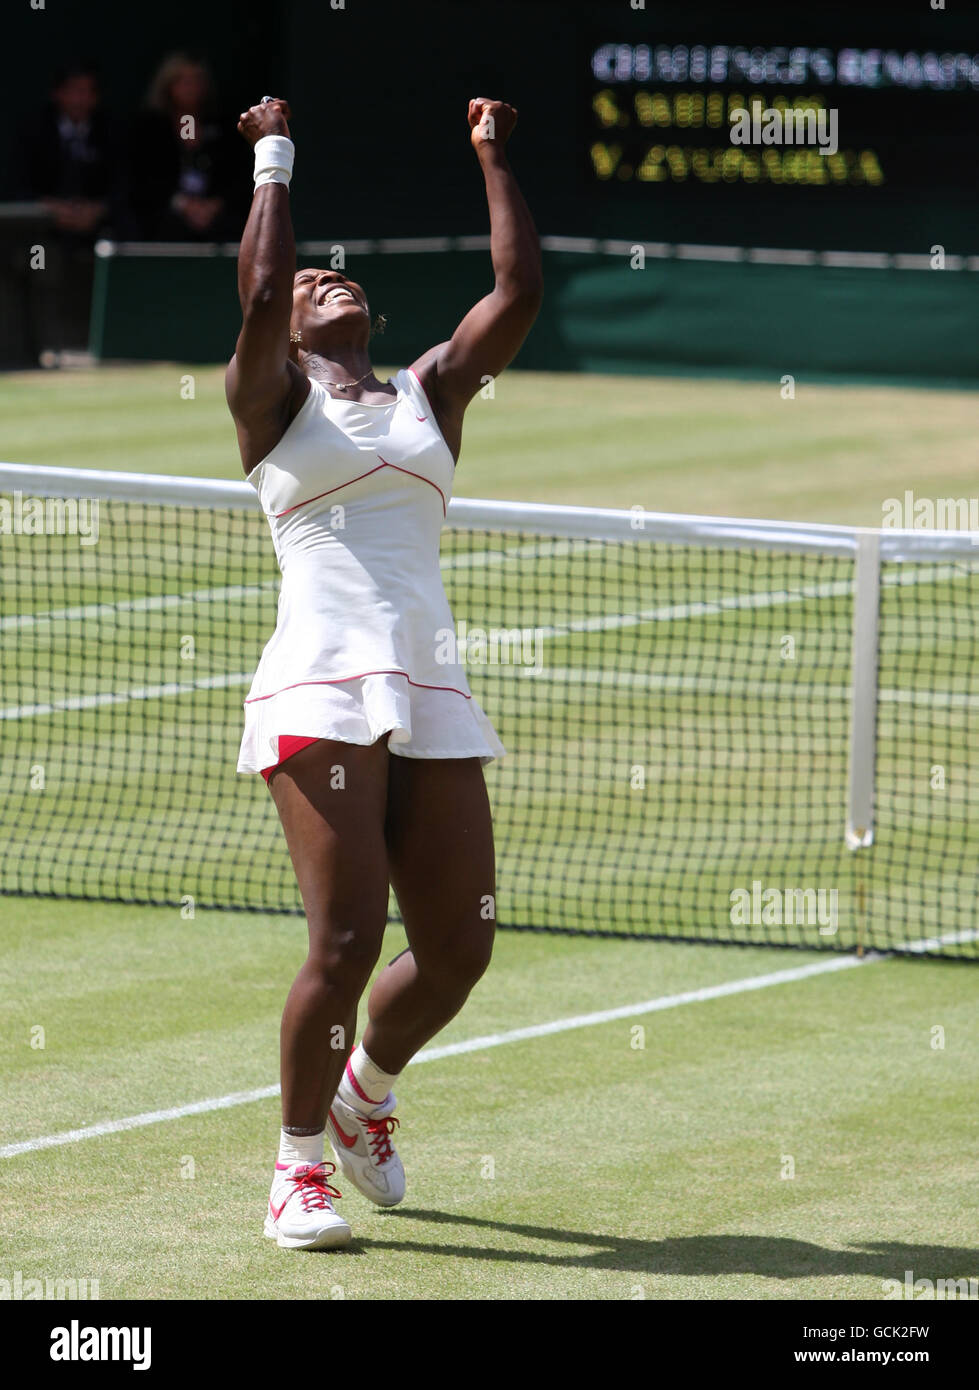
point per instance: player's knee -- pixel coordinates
(461, 965)
(345, 959)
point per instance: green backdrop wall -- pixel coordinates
(598, 314)
(379, 93)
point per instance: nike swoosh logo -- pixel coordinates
(421, 417)
(345, 1138)
(277, 1214)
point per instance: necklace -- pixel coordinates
(342, 385)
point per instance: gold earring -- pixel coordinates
(295, 337)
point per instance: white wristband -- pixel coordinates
(274, 155)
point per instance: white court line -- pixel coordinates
(931, 574)
(142, 692)
(949, 938)
(582, 676)
(726, 686)
(765, 598)
(152, 603)
(666, 613)
(435, 1054)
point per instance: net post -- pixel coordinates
(863, 714)
(104, 251)
(859, 832)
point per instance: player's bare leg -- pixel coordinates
(331, 799)
(441, 861)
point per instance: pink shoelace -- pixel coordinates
(314, 1190)
(379, 1137)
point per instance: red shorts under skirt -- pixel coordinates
(288, 745)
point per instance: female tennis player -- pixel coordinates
(370, 740)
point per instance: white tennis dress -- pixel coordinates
(364, 645)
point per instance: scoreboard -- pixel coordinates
(687, 135)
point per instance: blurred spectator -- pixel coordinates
(71, 166)
(187, 172)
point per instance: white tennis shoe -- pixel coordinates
(301, 1215)
(363, 1148)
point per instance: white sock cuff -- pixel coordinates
(301, 1148)
(374, 1082)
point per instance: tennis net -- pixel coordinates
(717, 730)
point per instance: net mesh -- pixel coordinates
(926, 853)
(676, 719)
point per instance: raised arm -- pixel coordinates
(261, 383)
(490, 335)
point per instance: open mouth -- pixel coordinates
(336, 294)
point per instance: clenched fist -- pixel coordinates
(268, 118)
(490, 122)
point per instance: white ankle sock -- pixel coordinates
(363, 1085)
(300, 1148)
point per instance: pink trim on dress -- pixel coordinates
(342, 680)
(350, 481)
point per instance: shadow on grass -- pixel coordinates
(775, 1257)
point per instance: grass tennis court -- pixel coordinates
(661, 752)
(730, 448)
(616, 1168)
(618, 1171)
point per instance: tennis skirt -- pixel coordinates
(419, 722)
